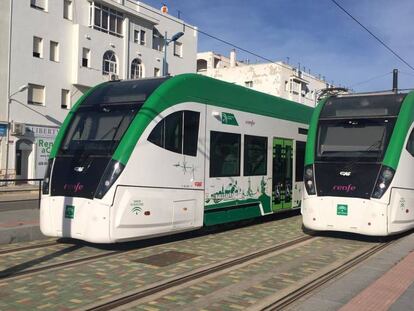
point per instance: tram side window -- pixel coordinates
(177, 132)
(300, 159)
(173, 135)
(224, 154)
(255, 155)
(410, 143)
(191, 124)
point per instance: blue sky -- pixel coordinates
(314, 33)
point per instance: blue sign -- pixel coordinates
(3, 129)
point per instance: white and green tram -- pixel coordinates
(359, 167)
(144, 158)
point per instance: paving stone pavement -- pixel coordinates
(72, 287)
(246, 286)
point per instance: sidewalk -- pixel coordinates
(384, 282)
(19, 213)
(19, 226)
(13, 192)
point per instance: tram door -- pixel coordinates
(282, 173)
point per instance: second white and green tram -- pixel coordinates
(359, 165)
(150, 157)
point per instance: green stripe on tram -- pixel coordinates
(402, 126)
(209, 91)
(312, 132)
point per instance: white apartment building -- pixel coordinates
(278, 79)
(55, 50)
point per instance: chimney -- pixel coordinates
(233, 58)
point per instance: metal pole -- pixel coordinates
(7, 138)
(8, 89)
(164, 62)
(395, 80)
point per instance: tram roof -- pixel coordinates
(213, 92)
(194, 88)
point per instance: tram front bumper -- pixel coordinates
(76, 218)
(345, 214)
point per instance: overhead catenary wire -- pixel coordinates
(371, 79)
(373, 35)
(209, 35)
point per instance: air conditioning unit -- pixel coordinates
(17, 128)
(113, 77)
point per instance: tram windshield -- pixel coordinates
(362, 140)
(98, 130)
(102, 119)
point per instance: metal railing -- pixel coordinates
(8, 187)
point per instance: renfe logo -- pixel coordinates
(347, 188)
(74, 187)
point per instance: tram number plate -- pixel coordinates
(69, 211)
(342, 210)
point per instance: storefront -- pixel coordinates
(32, 151)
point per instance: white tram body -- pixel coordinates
(179, 165)
(359, 165)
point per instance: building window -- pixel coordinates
(106, 20)
(109, 65)
(178, 49)
(139, 37)
(65, 100)
(36, 94)
(67, 9)
(39, 4)
(136, 69)
(157, 72)
(86, 56)
(54, 51)
(37, 47)
(177, 132)
(295, 86)
(248, 84)
(136, 36)
(255, 155)
(201, 65)
(157, 40)
(142, 38)
(224, 154)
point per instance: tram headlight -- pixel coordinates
(309, 179)
(383, 182)
(46, 179)
(111, 174)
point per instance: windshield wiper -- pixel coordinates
(377, 143)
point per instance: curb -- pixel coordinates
(24, 233)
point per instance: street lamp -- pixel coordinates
(174, 38)
(21, 89)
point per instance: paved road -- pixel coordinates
(19, 205)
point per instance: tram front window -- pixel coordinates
(355, 140)
(97, 130)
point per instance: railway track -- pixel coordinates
(20, 270)
(194, 275)
(26, 248)
(304, 290)
(276, 304)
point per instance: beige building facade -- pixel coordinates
(278, 79)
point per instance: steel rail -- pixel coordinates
(26, 248)
(10, 274)
(315, 284)
(139, 294)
